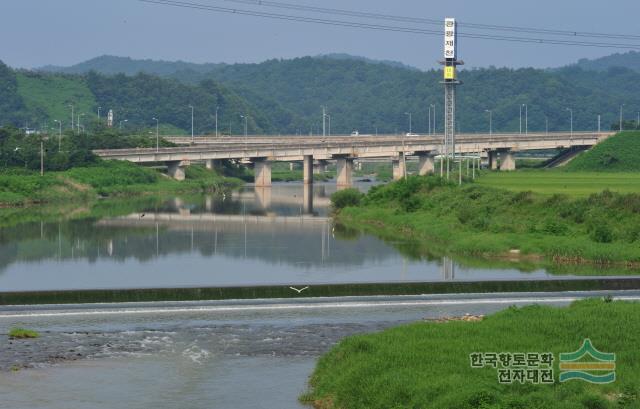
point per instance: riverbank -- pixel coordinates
(105, 179)
(427, 364)
(602, 229)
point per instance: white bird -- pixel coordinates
(300, 290)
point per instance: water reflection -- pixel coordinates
(253, 236)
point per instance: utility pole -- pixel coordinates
(191, 106)
(571, 112)
(450, 82)
(217, 107)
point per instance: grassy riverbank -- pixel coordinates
(104, 179)
(481, 221)
(426, 364)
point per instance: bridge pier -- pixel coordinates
(262, 172)
(344, 171)
(175, 169)
(213, 164)
(307, 169)
(426, 163)
(307, 199)
(398, 166)
(492, 157)
(507, 160)
(320, 167)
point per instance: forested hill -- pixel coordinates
(285, 96)
(629, 60)
(34, 99)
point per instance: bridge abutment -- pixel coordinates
(344, 170)
(262, 172)
(175, 169)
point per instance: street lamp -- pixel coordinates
(78, 117)
(490, 121)
(526, 119)
(621, 117)
(245, 124)
(571, 112)
(217, 107)
(59, 133)
(99, 108)
(329, 117)
(433, 106)
(410, 126)
(191, 106)
(124, 120)
(157, 133)
(71, 106)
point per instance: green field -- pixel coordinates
(53, 95)
(551, 182)
(426, 365)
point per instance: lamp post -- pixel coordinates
(191, 106)
(490, 121)
(99, 108)
(78, 117)
(245, 124)
(217, 107)
(157, 133)
(621, 117)
(521, 119)
(124, 120)
(433, 106)
(410, 125)
(71, 106)
(526, 119)
(59, 133)
(571, 113)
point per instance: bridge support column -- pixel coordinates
(175, 169)
(307, 198)
(213, 164)
(492, 157)
(320, 167)
(398, 167)
(344, 172)
(507, 160)
(426, 163)
(262, 172)
(307, 169)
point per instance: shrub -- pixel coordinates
(22, 333)
(345, 198)
(601, 233)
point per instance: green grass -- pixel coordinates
(52, 94)
(106, 179)
(426, 365)
(22, 333)
(550, 182)
(618, 153)
(480, 221)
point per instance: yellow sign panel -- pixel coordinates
(450, 73)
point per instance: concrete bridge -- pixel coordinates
(260, 151)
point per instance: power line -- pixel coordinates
(379, 27)
(407, 19)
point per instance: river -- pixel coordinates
(215, 354)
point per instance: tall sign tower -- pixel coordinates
(450, 82)
(110, 119)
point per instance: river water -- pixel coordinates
(222, 354)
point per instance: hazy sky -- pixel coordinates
(65, 32)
